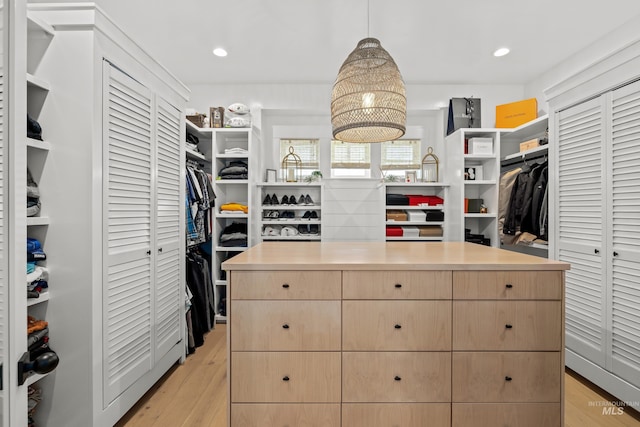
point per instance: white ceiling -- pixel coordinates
(307, 40)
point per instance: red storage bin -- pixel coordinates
(394, 231)
(417, 199)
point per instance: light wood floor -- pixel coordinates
(194, 395)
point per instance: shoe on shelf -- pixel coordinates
(292, 200)
(313, 215)
(266, 214)
(285, 200)
(274, 214)
(313, 229)
(307, 215)
(274, 200)
(267, 200)
(308, 200)
(301, 200)
(291, 215)
(303, 229)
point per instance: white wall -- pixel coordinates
(604, 47)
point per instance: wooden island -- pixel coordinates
(394, 334)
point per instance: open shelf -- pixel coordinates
(38, 220)
(38, 83)
(38, 145)
(35, 301)
(522, 154)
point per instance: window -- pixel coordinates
(403, 154)
(400, 156)
(307, 149)
(350, 159)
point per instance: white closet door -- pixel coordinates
(127, 303)
(625, 232)
(3, 285)
(168, 273)
(580, 216)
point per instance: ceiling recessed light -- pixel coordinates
(501, 52)
(219, 52)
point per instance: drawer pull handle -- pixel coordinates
(398, 326)
(285, 326)
(285, 378)
(286, 286)
(509, 286)
(398, 285)
(508, 326)
(615, 254)
(508, 378)
(596, 251)
(397, 378)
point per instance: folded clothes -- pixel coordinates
(33, 206)
(37, 255)
(234, 207)
(37, 335)
(39, 286)
(39, 273)
(34, 324)
(33, 244)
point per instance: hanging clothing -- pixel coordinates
(507, 180)
(201, 315)
(199, 203)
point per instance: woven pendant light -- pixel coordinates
(368, 101)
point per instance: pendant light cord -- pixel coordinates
(368, 19)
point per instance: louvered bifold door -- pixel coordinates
(128, 205)
(625, 232)
(4, 307)
(580, 208)
(169, 230)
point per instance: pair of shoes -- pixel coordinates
(307, 200)
(308, 229)
(310, 215)
(270, 214)
(289, 200)
(271, 230)
(287, 215)
(288, 230)
(303, 229)
(270, 200)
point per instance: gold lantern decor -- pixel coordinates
(291, 167)
(430, 166)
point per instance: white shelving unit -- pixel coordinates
(229, 191)
(39, 36)
(418, 188)
(288, 189)
(458, 163)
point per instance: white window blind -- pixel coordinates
(307, 149)
(346, 155)
(401, 154)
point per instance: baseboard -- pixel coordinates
(612, 384)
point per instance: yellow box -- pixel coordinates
(516, 113)
(528, 145)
